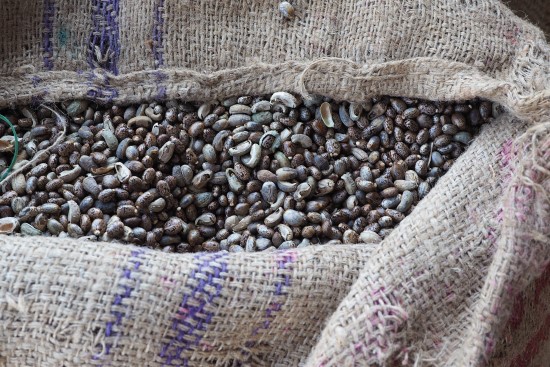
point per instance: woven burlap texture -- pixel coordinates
(436, 292)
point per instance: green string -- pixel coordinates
(3, 118)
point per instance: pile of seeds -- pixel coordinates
(244, 174)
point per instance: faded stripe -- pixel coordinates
(192, 316)
(119, 310)
(284, 260)
(47, 33)
(158, 33)
(533, 347)
(104, 47)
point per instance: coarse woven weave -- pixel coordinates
(438, 291)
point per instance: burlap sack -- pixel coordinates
(437, 292)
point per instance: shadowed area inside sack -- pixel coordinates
(249, 173)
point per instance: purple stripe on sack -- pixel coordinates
(161, 89)
(283, 280)
(111, 326)
(37, 95)
(158, 33)
(100, 88)
(192, 317)
(104, 47)
(47, 32)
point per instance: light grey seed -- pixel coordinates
(209, 153)
(263, 118)
(19, 183)
(302, 140)
(269, 192)
(294, 218)
(201, 179)
(132, 153)
(205, 109)
(219, 139)
(234, 238)
(285, 231)
(28, 230)
(110, 139)
(274, 218)
(71, 174)
(437, 159)
(203, 199)
(279, 202)
(49, 208)
(242, 224)
(74, 212)
(76, 107)
(74, 230)
(123, 173)
(351, 202)
(423, 189)
(344, 116)
(235, 248)
(234, 183)
(411, 175)
(250, 244)
(219, 178)
(263, 243)
(390, 203)
(287, 245)
(206, 219)
(325, 186)
(241, 149)
(240, 136)
(286, 186)
(40, 170)
(403, 185)
(264, 231)
(406, 202)
(238, 120)
(187, 173)
(240, 108)
(349, 183)
(166, 152)
(463, 137)
(251, 160)
(54, 227)
(261, 106)
(220, 125)
(385, 221)
(282, 159)
(157, 205)
(286, 173)
(369, 237)
(303, 190)
(360, 154)
(19, 203)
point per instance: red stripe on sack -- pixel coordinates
(517, 312)
(541, 283)
(532, 348)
